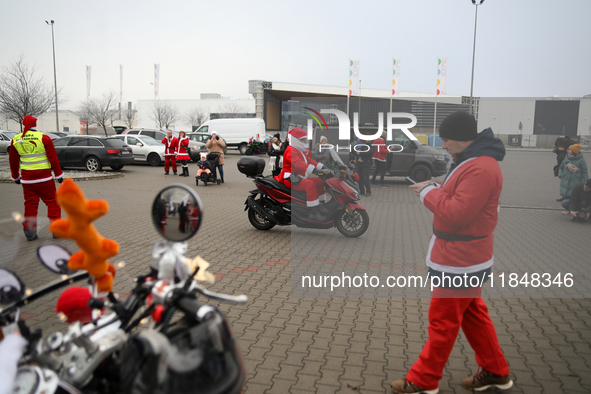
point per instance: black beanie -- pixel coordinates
(459, 126)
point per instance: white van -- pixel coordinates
(237, 132)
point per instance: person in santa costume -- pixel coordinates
(465, 214)
(183, 152)
(171, 144)
(296, 161)
(33, 155)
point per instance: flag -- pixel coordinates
(156, 80)
(395, 77)
(354, 77)
(441, 76)
(88, 70)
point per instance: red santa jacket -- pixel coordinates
(171, 145)
(467, 203)
(381, 149)
(294, 161)
(35, 176)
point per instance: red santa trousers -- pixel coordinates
(168, 160)
(314, 189)
(446, 316)
(45, 191)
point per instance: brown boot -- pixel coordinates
(484, 380)
(403, 386)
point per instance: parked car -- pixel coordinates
(120, 129)
(145, 149)
(5, 138)
(195, 147)
(52, 135)
(203, 137)
(236, 131)
(92, 152)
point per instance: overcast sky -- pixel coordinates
(524, 48)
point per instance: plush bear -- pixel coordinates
(95, 248)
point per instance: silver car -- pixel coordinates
(145, 149)
(5, 138)
(195, 148)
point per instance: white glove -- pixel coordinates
(320, 166)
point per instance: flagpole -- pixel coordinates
(348, 89)
(435, 119)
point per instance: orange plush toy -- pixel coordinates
(95, 248)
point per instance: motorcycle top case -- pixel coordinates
(251, 166)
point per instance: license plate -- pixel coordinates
(124, 153)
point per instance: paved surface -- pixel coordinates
(332, 344)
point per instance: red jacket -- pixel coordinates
(295, 161)
(381, 149)
(35, 176)
(467, 203)
(171, 145)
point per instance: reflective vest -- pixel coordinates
(31, 150)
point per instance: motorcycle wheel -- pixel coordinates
(258, 221)
(353, 223)
(248, 152)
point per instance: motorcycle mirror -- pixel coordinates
(177, 212)
(55, 258)
(12, 288)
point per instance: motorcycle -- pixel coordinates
(160, 339)
(256, 147)
(272, 203)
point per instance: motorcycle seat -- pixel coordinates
(274, 183)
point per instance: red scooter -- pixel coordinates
(272, 203)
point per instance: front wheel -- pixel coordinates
(242, 149)
(258, 221)
(420, 173)
(353, 223)
(92, 164)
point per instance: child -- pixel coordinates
(204, 166)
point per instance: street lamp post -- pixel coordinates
(57, 121)
(476, 3)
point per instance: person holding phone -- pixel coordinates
(465, 214)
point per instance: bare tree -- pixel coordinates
(23, 93)
(230, 110)
(164, 114)
(196, 117)
(84, 112)
(103, 110)
(100, 111)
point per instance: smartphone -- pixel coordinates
(410, 180)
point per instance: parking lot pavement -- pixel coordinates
(329, 344)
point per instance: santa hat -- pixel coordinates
(29, 122)
(298, 133)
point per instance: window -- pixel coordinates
(132, 141)
(62, 141)
(204, 129)
(133, 132)
(149, 133)
(79, 142)
(93, 142)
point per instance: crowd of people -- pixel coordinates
(575, 185)
(177, 150)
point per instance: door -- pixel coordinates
(400, 163)
(75, 152)
(137, 147)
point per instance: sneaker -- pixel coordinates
(560, 199)
(402, 386)
(368, 195)
(484, 380)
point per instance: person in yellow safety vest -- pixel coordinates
(32, 157)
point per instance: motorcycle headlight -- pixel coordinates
(355, 192)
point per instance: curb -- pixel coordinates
(76, 176)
